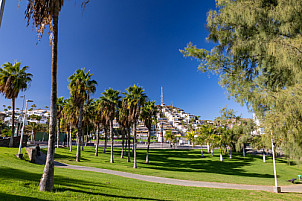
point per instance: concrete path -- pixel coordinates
(162, 180)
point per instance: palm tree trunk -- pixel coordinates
(208, 147)
(82, 136)
(148, 146)
(58, 132)
(129, 154)
(87, 134)
(134, 145)
(79, 133)
(243, 150)
(112, 138)
(123, 143)
(47, 180)
(32, 135)
(67, 139)
(11, 142)
(126, 143)
(70, 139)
(97, 141)
(105, 145)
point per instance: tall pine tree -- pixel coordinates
(258, 55)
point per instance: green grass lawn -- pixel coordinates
(19, 180)
(188, 165)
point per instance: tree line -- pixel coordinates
(82, 113)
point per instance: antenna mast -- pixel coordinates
(162, 96)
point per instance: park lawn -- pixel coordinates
(19, 180)
(188, 165)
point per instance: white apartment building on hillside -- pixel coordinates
(44, 114)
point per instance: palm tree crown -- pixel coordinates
(135, 98)
(81, 86)
(14, 79)
(110, 99)
(148, 114)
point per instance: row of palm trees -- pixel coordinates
(81, 113)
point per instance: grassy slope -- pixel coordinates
(188, 165)
(19, 180)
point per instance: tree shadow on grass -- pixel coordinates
(63, 183)
(190, 161)
(4, 196)
(17, 174)
(62, 189)
(68, 157)
(287, 162)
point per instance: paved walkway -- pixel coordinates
(162, 180)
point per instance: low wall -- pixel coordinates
(16, 143)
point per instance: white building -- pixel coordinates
(259, 130)
(44, 114)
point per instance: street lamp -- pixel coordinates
(19, 155)
(19, 133)
(276, 188)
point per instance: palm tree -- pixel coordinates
(80, 86)
(60, 106)
(103, 121)
(148, 115)
(88, 117)
(124, 121)
(135, 99)
(45, 13)
(124, 124)
(217, 142)
(204, 132)
(13, 79)
(70, 113)
(169, 136)
(231, 138)
(97, 120)
(258, 142)
(221, 133)
(110, 100)
(190, 136)
(34, 126)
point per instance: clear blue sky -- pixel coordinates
(122, 42)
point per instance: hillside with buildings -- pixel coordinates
(169, 118)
